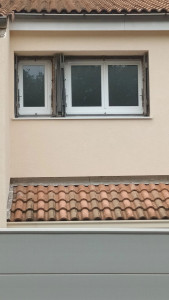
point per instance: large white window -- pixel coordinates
(59, 86)
(104, 87)
(35, 87)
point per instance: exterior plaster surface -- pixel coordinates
(107, 147)
(4, 125)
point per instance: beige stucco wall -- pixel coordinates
(107, 147)
(4, 126)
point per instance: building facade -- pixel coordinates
(84, 145)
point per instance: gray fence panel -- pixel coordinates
(84, 253)
(84, 287)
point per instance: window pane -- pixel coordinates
(123, 85)
(86, 85)
(33, 86)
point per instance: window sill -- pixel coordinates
(84, 118)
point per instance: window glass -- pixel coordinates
(123, 85)
(86, 85)
(33, 86)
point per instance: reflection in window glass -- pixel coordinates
(123, 85)
(33, 86)
(86, 85)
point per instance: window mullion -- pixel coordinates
(106, 94)
(20, 88)
(145, 85)
(140, 85)
(54, 69)
(16, 88)
(60, 86)
(103, 86)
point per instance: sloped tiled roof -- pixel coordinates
(84, 6)
(93, 202)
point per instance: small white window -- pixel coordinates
(35, 87)
(109, 87)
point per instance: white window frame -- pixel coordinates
(104, 109)
(47, 108)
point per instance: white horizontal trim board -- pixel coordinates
(91, 252)
(72, 118)
(78, 229)
(92, 23)
(89, 224)
(84, 287)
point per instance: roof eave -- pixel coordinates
(3, 25)
(3, 22)
(98, 15)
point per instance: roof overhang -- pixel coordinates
(90, 22)
(3, 22)
(3, 26)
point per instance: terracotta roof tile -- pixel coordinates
(81, 203)
(83, 6)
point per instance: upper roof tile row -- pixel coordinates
(83, 6)
(79, 203)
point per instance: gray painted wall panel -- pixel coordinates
(84, 287)
(84, 253)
